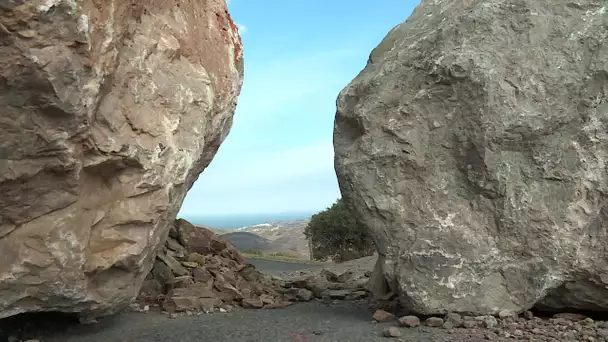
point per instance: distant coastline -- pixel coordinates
(241, 220)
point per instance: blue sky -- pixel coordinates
(299, 54)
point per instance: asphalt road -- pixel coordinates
(304, 322)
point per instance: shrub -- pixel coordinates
(335, 233)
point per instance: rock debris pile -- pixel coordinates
(504, 327)
(326, 286)
(198, 271)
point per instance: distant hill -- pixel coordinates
(285, 237)
(243, 241)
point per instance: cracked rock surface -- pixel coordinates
(474, 146)
(110, 111)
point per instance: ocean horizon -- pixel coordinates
(241, 220)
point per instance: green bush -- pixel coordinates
(336, 233)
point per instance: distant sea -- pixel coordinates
(242, 220)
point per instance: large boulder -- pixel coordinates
(475, 145)
(110, 111)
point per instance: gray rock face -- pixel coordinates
(109, 111)
(475, 145)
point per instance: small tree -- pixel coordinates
(335, 233)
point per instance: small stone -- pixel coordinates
(173, 264)
(338, 294)
(570, 316)
(27, 33)
(505, 314)
(344, 277)
(603, 333)
(409, 321)
(304, 295)
(318, 332)
(172, 315)
(383, 316)
(252, 303)
(588, 321)
(491, 336)
(528, 315)
(222, 310)
(197, 258)
(454, 318)
(391, 332)
(469, 323)
(278, 305)
(355, 295)
(518, 333)
(570, 335)
(329, 276)
(146, 308)
(448, 325)
(490, 322)
(434, 322)
(190, 264)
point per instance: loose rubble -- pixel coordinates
(326, 285)
(198, 271)
(560, 327)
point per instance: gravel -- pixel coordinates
(303, 322)
(315, 321)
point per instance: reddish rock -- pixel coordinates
(195, 239)
(409, 321)
(190, 298)
(433, 322)
(383, 316)
(219, 281)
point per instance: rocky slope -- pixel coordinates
(110, 110)
(474, 145)
(285, 237)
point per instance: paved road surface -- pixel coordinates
(272, 267)
(304, 322)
